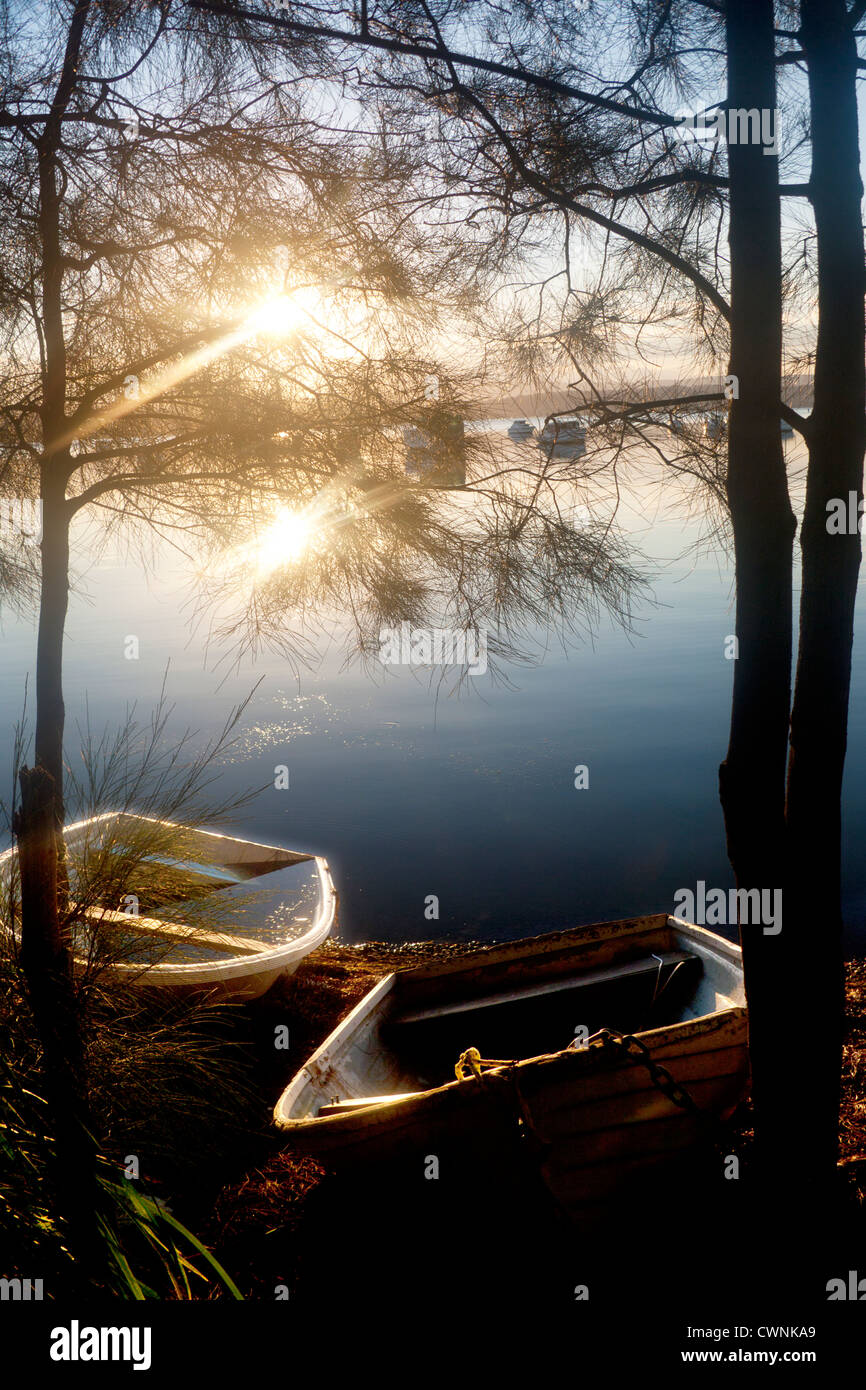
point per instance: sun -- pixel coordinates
(280, 315)
(276, 317)
(287, 539)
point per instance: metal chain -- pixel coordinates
(630, 1047)
(625, 1045)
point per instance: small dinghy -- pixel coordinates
(470, 1059)
(191, 910)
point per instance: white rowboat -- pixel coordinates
(254, 912)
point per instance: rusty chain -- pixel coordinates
(633, 1050)
(627, 1045)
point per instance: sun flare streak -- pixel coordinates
(278, 316)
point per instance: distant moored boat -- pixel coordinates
(562, 438)
(520, 430)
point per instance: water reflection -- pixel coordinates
(411, 793)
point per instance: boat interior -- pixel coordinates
(544, 1015)
(200, 898)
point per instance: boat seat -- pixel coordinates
(182, 934)
(636, 972)
(342, 1107)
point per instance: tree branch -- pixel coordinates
(365, 39)
(621, 229)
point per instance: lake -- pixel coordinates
(470, 800)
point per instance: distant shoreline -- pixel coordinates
(534, 404)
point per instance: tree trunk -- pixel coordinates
(54, 602)
(46, 955)
(56, 462)
(752, 777)
(46, 960)
(830, 566)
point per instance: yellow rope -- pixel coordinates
(472, 1060)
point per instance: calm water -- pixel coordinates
(469, 799)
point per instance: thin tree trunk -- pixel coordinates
(752, 777)
(46, 960)
(46, 954)
(830, 566)
(53, 606)
(56, 464)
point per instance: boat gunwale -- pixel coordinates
(317, 1063)
(545, 949)
(546, 944)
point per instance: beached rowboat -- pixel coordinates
(234, 914)
(382, 1087)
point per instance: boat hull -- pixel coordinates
(593, 1120)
